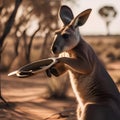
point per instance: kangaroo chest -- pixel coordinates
(80, 85)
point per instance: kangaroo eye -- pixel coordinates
(65, 36)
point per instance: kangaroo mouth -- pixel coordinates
(56, 53)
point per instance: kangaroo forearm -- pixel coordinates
(78, 65)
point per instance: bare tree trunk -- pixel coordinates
(1, 7)
(44, 46)
(107, 27)
(25, 44)
(7, 29)
(10, 22)
(30, 44)
(17, 39)
(16, 45)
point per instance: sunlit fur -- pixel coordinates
(97, 95)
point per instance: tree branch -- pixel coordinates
(10, 22)
(30, 44)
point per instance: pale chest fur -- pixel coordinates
(79, 82)
(74, 83)
(80, 87)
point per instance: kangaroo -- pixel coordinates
(96, 93)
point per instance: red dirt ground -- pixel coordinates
(26, 99)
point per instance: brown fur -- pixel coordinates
(95, 91)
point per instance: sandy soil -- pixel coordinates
(26, 99)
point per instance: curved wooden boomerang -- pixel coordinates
(34, 67)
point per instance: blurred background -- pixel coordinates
(27, 30)
(27, 27)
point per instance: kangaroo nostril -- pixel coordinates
(54, 49)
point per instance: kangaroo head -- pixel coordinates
(68, 36)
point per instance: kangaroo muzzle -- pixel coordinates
(56, 49)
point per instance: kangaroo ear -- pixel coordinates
(66, 14)
(81, 18)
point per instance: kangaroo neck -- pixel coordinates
(96, 85)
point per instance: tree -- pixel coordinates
(108, 13)
(44, 13)
(6, 30)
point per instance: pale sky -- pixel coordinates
(95, 24)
